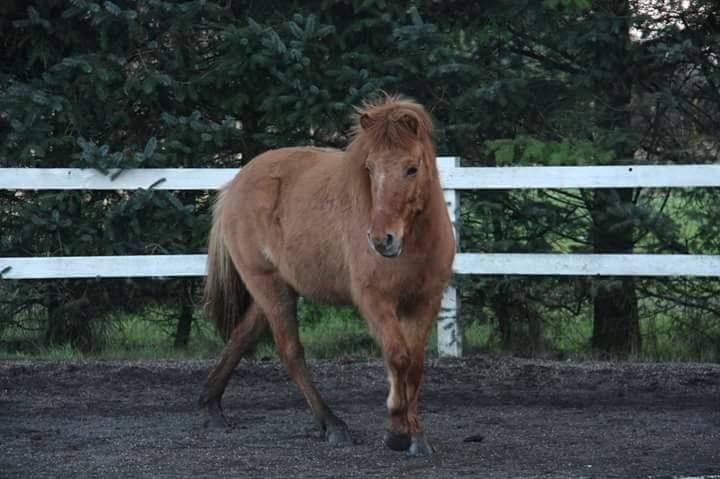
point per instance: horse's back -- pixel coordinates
(284, 213)
(287, 164)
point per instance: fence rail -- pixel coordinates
(163, 266)
(453, 178)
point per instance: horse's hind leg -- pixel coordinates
(279, 302)
(243, 337)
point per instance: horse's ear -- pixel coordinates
(410, 123)
(366, 121)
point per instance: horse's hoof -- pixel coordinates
(420, 446)
(397, 441)
(338, 437)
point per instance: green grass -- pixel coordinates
(124, 336)
(134, 337)
(339, 332)
(325, 333)
(337, 336)
(694, 339)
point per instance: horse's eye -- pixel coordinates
(412, 171)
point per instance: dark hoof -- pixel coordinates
(420, 446)
(338, 437)
(215, 421)
(397, 441)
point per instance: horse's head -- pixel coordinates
(400, 164)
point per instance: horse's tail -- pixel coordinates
(226, 298)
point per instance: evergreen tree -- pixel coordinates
(151, 83)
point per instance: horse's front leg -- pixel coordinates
(383, 323)
(415, 324)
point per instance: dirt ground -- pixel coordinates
(487, 417)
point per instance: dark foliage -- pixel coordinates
(152, 83)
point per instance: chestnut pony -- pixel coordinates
(367, 227)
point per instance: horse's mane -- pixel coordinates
(390, 123)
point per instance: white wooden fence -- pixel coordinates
(453, 178)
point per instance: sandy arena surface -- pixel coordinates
(487, 417)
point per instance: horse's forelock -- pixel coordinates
(392, 122)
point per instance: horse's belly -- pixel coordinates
(318, 282)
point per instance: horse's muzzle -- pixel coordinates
(388, 245)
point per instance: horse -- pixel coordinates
(367, 227)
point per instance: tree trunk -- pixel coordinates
(69, 309)
(503, 314)
(70, 322)
(502, 306)
(616, 327)
(184, 326)
(535, 333)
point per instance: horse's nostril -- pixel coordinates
(389, 240)
(382, 244)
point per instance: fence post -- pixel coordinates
(448, 324)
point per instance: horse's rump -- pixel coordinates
(225, 296)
